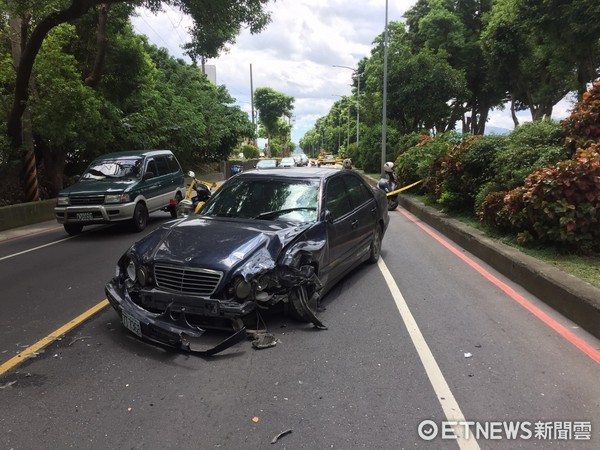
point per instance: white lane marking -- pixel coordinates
(436, 378)
(36, 248)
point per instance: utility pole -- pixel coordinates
(252, 104)
(385, 68)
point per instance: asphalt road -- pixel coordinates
(420, 336)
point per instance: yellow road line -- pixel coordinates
(25, 354)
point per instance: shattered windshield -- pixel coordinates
(114, 169)
(266, 199)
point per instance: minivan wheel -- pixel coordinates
(140, 217)
(73, 228)
(173, 208)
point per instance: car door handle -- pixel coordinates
(354, 223)
(374, 210)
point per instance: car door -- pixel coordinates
(150, 187)
(364, 214)
(339, 226)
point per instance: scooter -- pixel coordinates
(389, 185)
(196, 195)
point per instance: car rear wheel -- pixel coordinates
(73, 228)
(140, 217)
(173, 208)
(375, 245)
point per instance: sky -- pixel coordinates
(295, 54)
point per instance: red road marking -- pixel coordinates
(45, 230)
(560, 329)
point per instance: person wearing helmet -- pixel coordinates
(389, 185)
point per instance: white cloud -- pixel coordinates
(295, 53)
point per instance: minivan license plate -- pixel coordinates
(84, 216)
(131, 323)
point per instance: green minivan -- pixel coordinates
(122, 186)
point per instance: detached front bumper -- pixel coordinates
(171, 327)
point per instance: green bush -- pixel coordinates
(250, 151)
(558, 205)
(530, 146)
(463, 171)
(418, 162)
(583, 126)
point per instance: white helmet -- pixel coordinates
(388, 167)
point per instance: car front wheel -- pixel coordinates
(140, 217)
(375, 245)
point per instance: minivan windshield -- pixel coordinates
(112, 169)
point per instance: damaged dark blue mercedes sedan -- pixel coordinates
(282, 237)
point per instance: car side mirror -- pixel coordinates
(148, 175)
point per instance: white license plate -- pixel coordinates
(84, 216)
(131, 323)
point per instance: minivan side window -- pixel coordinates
(163, 165)
(173, 164)
(151, 167)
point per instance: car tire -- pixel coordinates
(140, 217)
(294, 308)
(375, 250)
(73, 228)
(173, 208)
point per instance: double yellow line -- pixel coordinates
(31, 350)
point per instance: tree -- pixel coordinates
(45, 16)
(272, 106)
(527, 64)
(452, 29)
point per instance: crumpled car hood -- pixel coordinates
(222, 244)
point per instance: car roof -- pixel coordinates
(304, 172)
(134, 153)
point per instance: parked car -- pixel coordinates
(287, 162)
(122, 186)
(266, 164)
(265, 238)
(300, 159)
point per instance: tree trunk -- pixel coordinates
(30, 49)
(513, 111)
(93, 79)
(18, 37)
(54, 165)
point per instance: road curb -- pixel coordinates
(574, 298)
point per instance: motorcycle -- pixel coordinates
(236, 168)
(389, 185)
(197, 194)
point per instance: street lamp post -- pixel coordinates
(358, 75)
(385, 68)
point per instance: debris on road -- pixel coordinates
(255, 419)
(280, 435)
(468, 355)
(7, 385)
(81, 338)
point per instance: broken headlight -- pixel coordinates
(241, 289)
